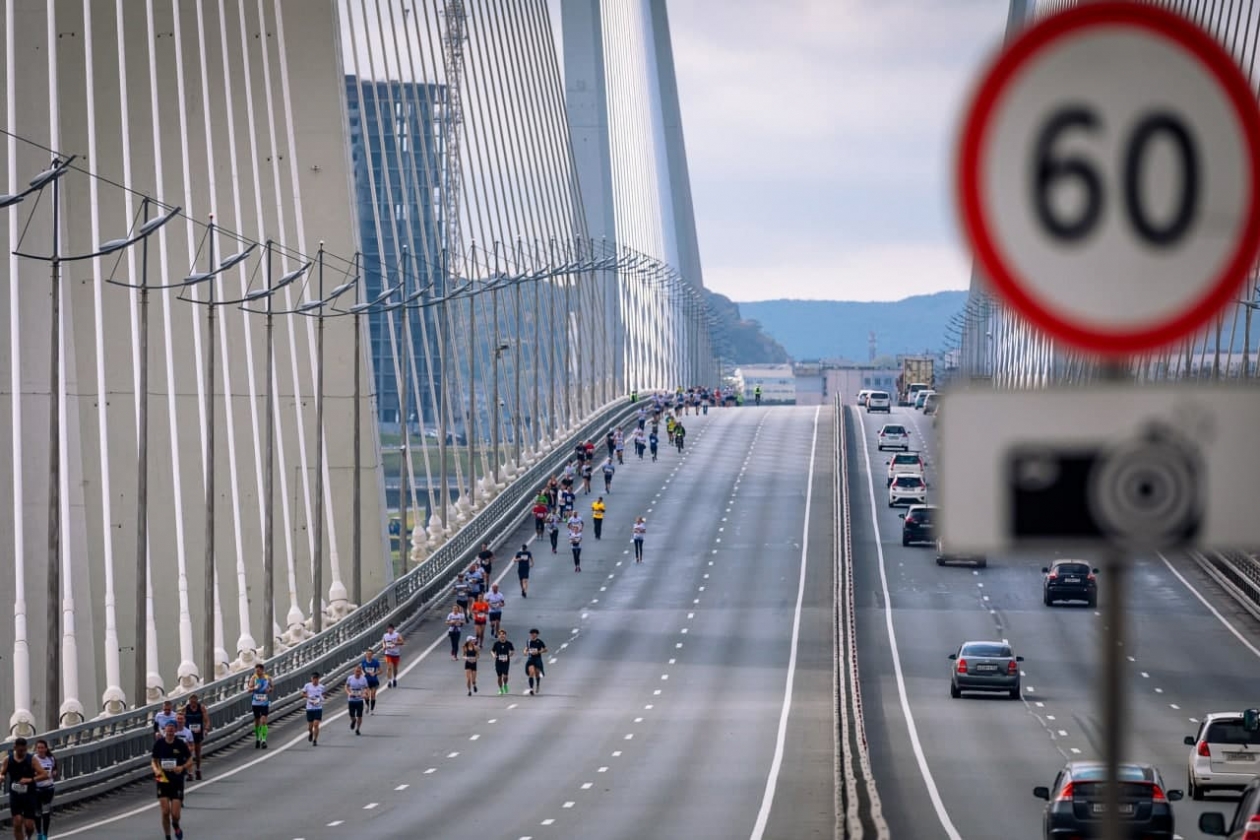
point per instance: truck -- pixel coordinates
(917, 373)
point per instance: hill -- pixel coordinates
(815, 329)
(740, 340)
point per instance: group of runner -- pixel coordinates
(30, 778)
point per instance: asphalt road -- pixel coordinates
(966, 768)
(663, 711)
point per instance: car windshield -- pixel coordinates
(1231, 732)
(1072, 569)
(878, 395)
(987, 649)
(906, 459)
(909, 481)
(894, 430)
(922, 515)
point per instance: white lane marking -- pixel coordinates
(453, 755)
(1145, 675)
(587, 785)
(912, 730)
(1075, 751)
(1062, 733)
(430, 770)
(672, 661)
(678, 644)
(548, 821)
(776, 764)
(1232, 629)
(656, 693)
(512, 706)
(335, 823)
(1175, 706)
(474, 737)
(402, 787)
(684, 630)
(629, 736)
(691, 615)
(638, 720)
(602, 770)
(370, 806)
(648, 706)
(616, 754)
(568, 804)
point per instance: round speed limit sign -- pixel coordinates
(1108, 177)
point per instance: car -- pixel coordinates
(943, 557)
(1069, 580)
(904, 463)
(907, 490)
(862, 395)
(918, 524)
(984, 666)
(920, 396)
(1246, 822)
(931, 404)
(1225, 754)
(894, 436)
(878, 401)
(1075, 808)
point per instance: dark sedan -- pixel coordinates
(984, 666)
(1076, 806)
(1070, 580)
(918, 524)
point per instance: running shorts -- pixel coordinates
(470, 666)
(355, 708)
(537, 663)
(261, 711)
(374, 682)
(171, 790)
(501, 668)
(24, 805)
(392, 658)
(314, 715)
(522, 571)
(496, 615)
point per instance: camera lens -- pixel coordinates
(1145, 493)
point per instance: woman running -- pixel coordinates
(454, 628)
(553, 530)
(534, 650)
(640, 531)
(471, 652)
(44, 788)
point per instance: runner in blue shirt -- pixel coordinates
(356, 691)
(260, 686)
(372, 673)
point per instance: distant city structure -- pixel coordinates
(817, 382)
(777, 383)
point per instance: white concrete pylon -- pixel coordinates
(221, 658)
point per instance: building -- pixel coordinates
(817, 383)
(777, 383)
(395, 136)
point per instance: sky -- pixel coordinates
(819, 138)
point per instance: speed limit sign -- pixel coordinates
(1108, 177)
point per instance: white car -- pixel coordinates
(878, 401)
(907, 490)
(1224, 754)
(894, 436)
(862, 395)
(905, 463)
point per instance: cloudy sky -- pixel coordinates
(819, 135)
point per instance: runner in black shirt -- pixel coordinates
(486, 558)
(171, 760)
(18, 773)
(524, 562)
(199, 724)
(502, 651)
(534, 650)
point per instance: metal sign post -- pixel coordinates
(1109, 185)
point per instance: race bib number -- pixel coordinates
(168, 763)
(314, 702)
(356, 694)
(195, 727)
(17, 788)
(503, 657)
(260, 699)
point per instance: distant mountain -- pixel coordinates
(742, 341)
(814, 329)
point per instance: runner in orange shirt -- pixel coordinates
(481, 613)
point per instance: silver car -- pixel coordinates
(984, 666)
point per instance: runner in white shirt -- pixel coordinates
(314, 692)
(356, 692)
(640, 531)
(496, 600)
(391, 645)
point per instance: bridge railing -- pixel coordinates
(102, 755)
(1237, 572)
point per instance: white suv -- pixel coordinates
(907, 490)
(894, 436)
(1225, 755)
(905, 463)
(878, 401)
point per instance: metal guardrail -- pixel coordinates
(1237, 572)
(858, 809)
(103, 755)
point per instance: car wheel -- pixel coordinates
(905, 541)
(1045, 599)
(940, 561)
(1196, 792)
(1015, 693)
(953, 690)
(1093, 601)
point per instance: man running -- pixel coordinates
(170, 760)
(534, 650)
(461, 591)
(372, 673)
(481, 615)
(199, 725)
(20, 773)
(356, 694)
(540, 517)
(640, 442)
(485, 558)
(167, 715)
(454, 628)
(502, 651)
(597, 516)
(609, 469)
(567, 502)
(588, 469)
(261, 687)
(620, 439)
(553, 531)
(525, 562)
(496, 600)
(654, 441)
(182, 731)
(391, 644)
(640, 531)
(680, 434)
(314, 692)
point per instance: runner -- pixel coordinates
(654, 441)
(485, 557)
(167, 715)
(680, 434)
(183, 732)
(199, 724)
(609, 469)
(461, 591)
(597, 515)
(525, 562)
(480, 614)
(391, 645)
(588, 469)
(496, 600)
(611, 442)
(567, 502)
(621, 447)
(261, 687)
(502, 650)
(45, 788)
(455, 627)
(356, 693)
(471, 652)
(534, 650)
(640, 442)
(540, 517)
(171, 759)
(553, 531)
(640, 531)
(20, 773)
(757, 394)
(575, 543)
(371, 672)
(314, 694)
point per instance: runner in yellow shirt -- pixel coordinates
(597, 513)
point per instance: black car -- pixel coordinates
(944, 557)
(918, 524)
(1070, 580)
(1246, 821)
(1076, 802)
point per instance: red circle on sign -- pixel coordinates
(1221, 291)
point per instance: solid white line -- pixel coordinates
(1232, 629)
(933, 793)
(776, 764)
(227, 774)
